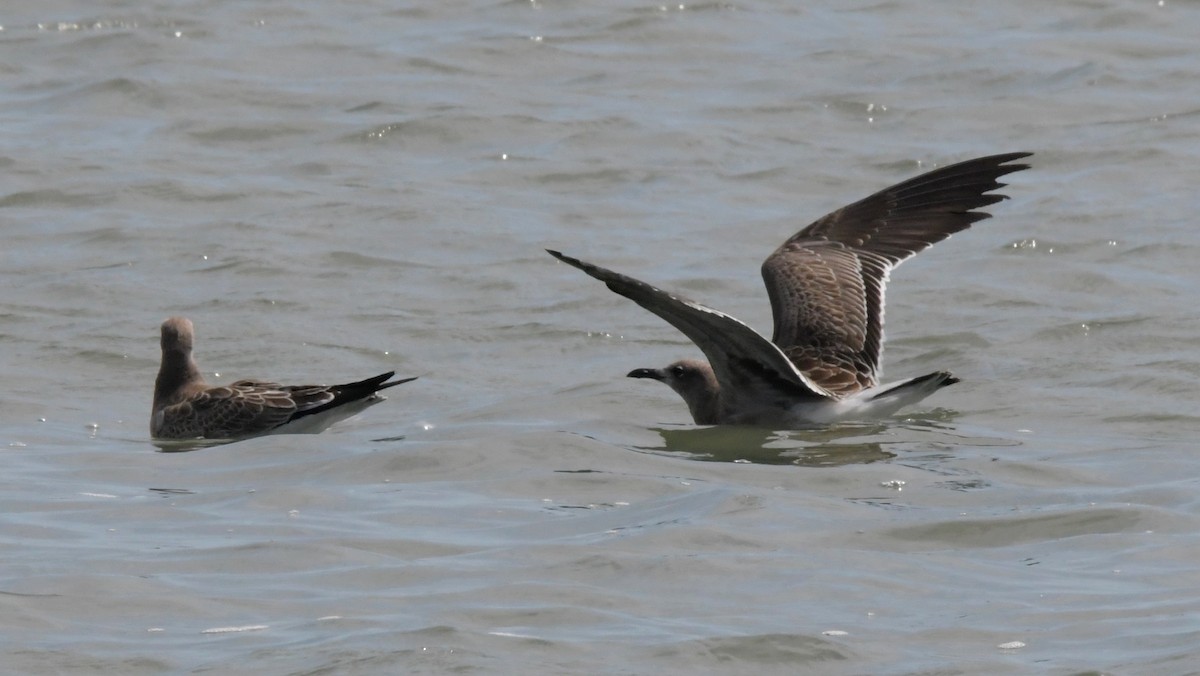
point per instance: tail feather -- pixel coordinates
(924, 385)
(395, 382)
(369, 386)
(348, 393)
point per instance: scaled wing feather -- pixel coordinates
(827, 282)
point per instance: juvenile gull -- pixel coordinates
(186, 407)
(826, 285)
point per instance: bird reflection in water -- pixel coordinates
(849, 443)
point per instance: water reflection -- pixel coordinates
(841, 444)
(171, 492)
(185, 445)
(826, 447)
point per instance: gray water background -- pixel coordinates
(332, 190)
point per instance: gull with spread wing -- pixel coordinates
(826, 286)
(186, 407)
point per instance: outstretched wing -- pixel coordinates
(750, 369)
(826, 283)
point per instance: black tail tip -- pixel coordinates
(396, 382)
(943, 378)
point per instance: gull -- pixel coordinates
(826, 286)
(186, 407)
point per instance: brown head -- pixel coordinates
(178, 370)
(177, 335)
(692, 379)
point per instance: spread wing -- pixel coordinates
(746, 365)
(827, 282)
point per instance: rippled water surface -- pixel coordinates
(332, 190)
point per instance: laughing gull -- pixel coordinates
(826, 285)
(186, 407)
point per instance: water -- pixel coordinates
(331, 190)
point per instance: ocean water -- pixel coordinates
(333, 190)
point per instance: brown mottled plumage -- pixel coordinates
(826, 286)
(186, 407)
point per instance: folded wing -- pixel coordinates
(240, 409)
(250, 407)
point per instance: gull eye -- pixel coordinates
(678, 371)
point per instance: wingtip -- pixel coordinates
(1003, 162)
(374, 383)
(573, 262)
(1005, 158)
(398, 382)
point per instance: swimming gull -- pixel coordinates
(186, 407)
(826, 286)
